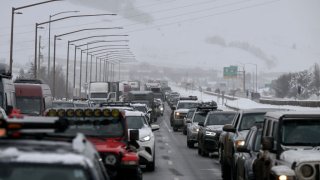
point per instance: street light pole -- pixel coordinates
(12, 25)
(49, 40)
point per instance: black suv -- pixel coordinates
(28, 151)
(210, 130)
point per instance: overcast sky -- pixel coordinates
(277, 35)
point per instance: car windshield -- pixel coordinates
(19, 171)
(301, 132)
(62, 105)
(187, 105)
(29, 105)
(99, 95)
(96, 127)
(219, 119)
(251, 119)
(136, 122)
(141, 109)
(199, 117)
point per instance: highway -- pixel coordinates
(175, 161)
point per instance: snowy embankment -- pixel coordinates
(239, 103)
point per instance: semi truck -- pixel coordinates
(100, 92)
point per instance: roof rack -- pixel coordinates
(116, 104)
(189, 98)
(15, 128)
(31, 81)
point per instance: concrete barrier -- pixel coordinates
(291, 102)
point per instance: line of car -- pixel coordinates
(253, 144)
(121, 136)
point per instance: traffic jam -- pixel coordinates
(159, 90)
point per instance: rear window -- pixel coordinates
(219, 119)
(18, 171)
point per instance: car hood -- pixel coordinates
(143, 132)
(215, 127)
(182, 110)
(300, 155)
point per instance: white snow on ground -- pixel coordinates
(240, 103)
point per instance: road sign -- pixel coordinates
(230, 72)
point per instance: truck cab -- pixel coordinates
(100, 92)
(33, 96)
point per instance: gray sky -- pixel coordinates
(277, 35)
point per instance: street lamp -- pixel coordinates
(256, 88)
(63, 18)
(49, 40)
(68, 48)
(12, 25)
(61, 35)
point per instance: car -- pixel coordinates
(160, 106)
(247, 153)
(188, 119)
(137, 120)
(290, 146)
(193, 127)
(234, 134)
(210, 130)
(107, 129)
(7, 90)
(143, 108)
(180, 112)
(34, 152)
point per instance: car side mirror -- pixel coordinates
(188, 121)
(173, 108)
(229, 128)
(149, 111)
(267, 143)
(133, 135)
(155, 127)
(201, 124)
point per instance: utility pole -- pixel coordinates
(39, 56)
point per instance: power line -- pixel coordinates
(203, 17)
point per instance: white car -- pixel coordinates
(138, 120)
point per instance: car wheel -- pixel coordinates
(199, 151)
(220, 153)
(190, 144)
(185, 131)
(225, 171)
(151, 166)
(175, 129)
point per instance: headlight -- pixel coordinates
(306, 171)
(195, 129)
(110, 159)
(209, 133)
(161, 109)
(177, 114)
(146, 138)
(240, 143)
(283, 177)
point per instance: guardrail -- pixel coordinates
(302, 103)
(220, 95)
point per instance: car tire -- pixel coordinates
(151, 166)
(225, 171)
(175, 129)
(185, 131)
(220, 154)
(190, 144)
